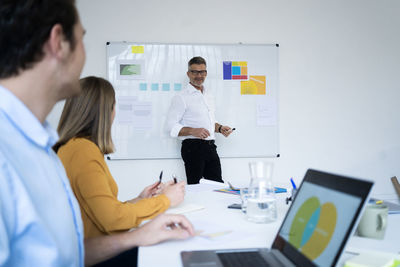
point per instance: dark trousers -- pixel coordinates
(127, 258)
(201, 160)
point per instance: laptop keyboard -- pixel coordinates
(242, 259)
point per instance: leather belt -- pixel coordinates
(208, 142)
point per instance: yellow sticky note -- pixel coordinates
(256, 85)
(137, 49)
(243, 71)
(243, 63)
(235, 63)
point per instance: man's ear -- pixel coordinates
(57, 45)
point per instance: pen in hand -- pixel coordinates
(160, 179)
(174, 177)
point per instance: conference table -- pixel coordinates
(223, 228)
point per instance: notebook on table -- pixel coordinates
(314, 232)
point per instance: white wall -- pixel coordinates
(339, 105)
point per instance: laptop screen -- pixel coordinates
(321, 217)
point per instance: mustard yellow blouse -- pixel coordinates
(96, 191)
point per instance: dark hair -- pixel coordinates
(25, 26)
(197, 61)
(89, 114)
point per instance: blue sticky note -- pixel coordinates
(154, 87)
(235, 70)
(143, 87)
(227, 70)
(165, 86)
(177, 86)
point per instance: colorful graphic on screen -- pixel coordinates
(235, 70)
(313, 226)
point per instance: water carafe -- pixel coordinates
(261, 203)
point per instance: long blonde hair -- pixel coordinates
(89, 115)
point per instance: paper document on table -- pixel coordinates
(204, 185)
(211, 233)
(184, 208)
(210, 182)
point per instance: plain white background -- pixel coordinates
(339, 78)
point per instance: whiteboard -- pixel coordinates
(242, 78)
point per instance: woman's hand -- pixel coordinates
(175, 192)
(149, 191)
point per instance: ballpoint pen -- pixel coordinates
(159, 182)
(293, 184)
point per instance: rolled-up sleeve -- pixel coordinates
(173, 124)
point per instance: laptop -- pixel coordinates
(314, 232)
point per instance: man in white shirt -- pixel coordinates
(191, 119)
(41, 58)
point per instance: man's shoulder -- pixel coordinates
(10, 137)
(186, 93)
(180, 96)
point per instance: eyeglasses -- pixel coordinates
(197, 72)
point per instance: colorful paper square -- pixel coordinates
(137, 49)
(165, 86)
(177, 86)
(235, 70)
(227, 65)
(154, 87)
(256, 85)
(143, 86)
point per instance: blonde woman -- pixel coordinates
(85, 137)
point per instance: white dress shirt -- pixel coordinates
(191, 108)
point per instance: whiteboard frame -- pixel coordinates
(277, 97)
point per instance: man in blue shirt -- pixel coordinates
(41, 58)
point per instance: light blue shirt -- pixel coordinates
(40, 220)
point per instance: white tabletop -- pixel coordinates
(251, 234)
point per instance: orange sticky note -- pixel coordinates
(256, 85)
